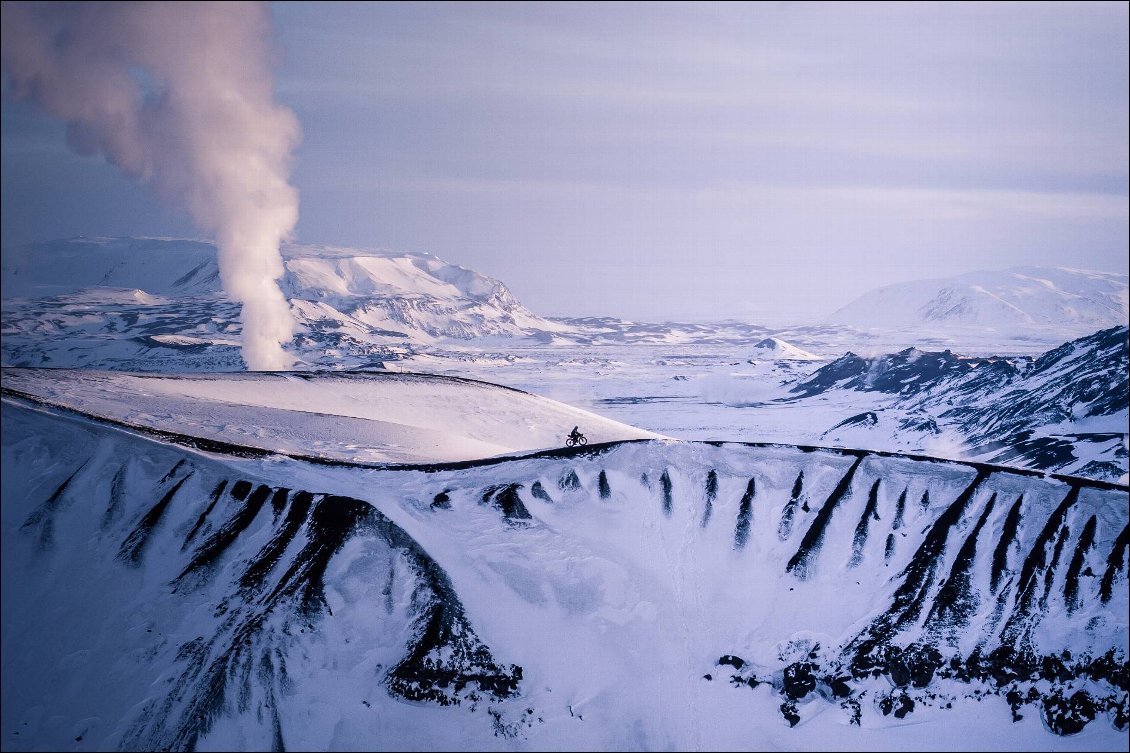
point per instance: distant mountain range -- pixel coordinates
(161, 305)
(1068, 301)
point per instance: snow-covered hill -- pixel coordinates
(775, 349)
(371, 417)
(1023, 300)
(647, 594)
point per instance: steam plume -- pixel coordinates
(179, 96)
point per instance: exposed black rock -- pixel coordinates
(999, 406)
(957, 601)
(898, 703)
(505, 498)
(785, 526)
(730, 660)
(1006, 539)
(1034, 566)
(870, 512)
(910, 597)
(1115, 562)
(798, 680)
(1069, 715)
(216, 494)
(206, 555)
(867, 418)
(115, 504)
(900, 510)
(134, 545)
(745, 515)
(814, 537)
(44, 516)
(904, 373)
(926, 424)
(711, 493)
(269, 556)
(838, 687)
(278, 501)
(569, 481)
(539, 492)
(602, 485)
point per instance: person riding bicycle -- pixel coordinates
(575, 434)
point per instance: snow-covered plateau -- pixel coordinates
(806, 538)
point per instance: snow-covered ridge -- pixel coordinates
(171, 266)
(331, 289)
(722, 593)
(1071, 301)
(374, 417)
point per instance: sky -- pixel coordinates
(766, 161)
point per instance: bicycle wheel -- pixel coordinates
(583, 440)
(570, 442)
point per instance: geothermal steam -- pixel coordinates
(179, 96)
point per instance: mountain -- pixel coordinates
(774, 349)
(153, 304)
(1066, 410)
(1023, 300)
(411, 296)
(164, 594)
(907, 372)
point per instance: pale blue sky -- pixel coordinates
(766, 161)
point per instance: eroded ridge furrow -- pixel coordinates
(801, 562)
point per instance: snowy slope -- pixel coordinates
(634, 596)
(1024, 299)
(373, 417)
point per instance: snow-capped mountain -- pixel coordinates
(1066, 410)
(1014, 301)
(162, 594)
(775, 349)
(155, 304)
(405, 296)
